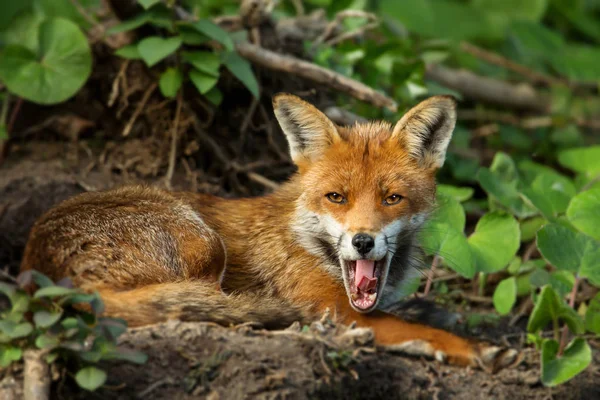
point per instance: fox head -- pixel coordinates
(366, 189)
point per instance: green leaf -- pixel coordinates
(504, 192)
(450, 244)
(56, 72)
(584, 159)
(129, 52)
(584, 212)
(90, 378)
(550, 195)
(155, 48)
(592, 315)
(45, 319)
(529, 227)
(170, 82)
(9, 354)
(495, 241)
(3, 132)
(54, 291)
(14, 330)
(582, 255)
(550, 307)
(458, 193)
(215, 32)
(204, 61)
(40, 279)
(242, 70)
(505, 295)
(203, 82)
(556, 370)
(148, 3)
(215, 96)
(449, 211)
(47, 341)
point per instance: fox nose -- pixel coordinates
(363, 243)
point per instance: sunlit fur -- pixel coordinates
(155, 255)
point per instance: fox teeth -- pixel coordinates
(354, 296)
(372, 296)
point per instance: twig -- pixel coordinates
(496, 59)
(13, 115)
(114, 93)
(542, 121)
(343, 117)
(277, 62)
(434, 264)
(36, 375)
(352, 34)
(565, 331)
(174, 138)
(339, 18)
(82, 11)
(591, 183)
(262, 180)
(299, 7)
(488, 90)
(138, 110)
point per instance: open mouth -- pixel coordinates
(364, 279)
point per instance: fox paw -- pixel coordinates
(492, 358)
(488, 357)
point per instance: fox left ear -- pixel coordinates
(426, 129)
(308, 131)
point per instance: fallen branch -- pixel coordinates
(283, 63)
(36, 375)
(488, 90)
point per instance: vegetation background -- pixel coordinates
(95, 93)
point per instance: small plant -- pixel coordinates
(182, 48)
(63, 322)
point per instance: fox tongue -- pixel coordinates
(364, 269)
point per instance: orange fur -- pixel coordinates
(155, 255)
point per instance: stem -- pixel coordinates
(565, 330)
(4, 111)
(434, 264)
(482, 281)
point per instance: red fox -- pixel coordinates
(338, 235)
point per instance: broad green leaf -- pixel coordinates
(90, 378)
(584, 159)
(505, 193)
(550, 307)
(148, 3)
(562, 282)
(56, 72)
(540, 277)
(3, 133)
(129, 52)
(592, 315)
(505, 295)
(504, 168)
(131, 24)
(449, 211)
(158, 16)
(458, 193)
(570, 251)
(215, 32)
(584, 213)
(529, 227)
(15, 330)
(10, 10)
(550, 195)
(495, 242)
(450, 244)
(215, 96)
(242, 70)
(40, 279)
(45, 319)
(9, 354)
(111, 327)
(154, 49)
(170, 82)
(556, 370)
(203, 82)
(54, 291)
(23, 29)
(204, 61)
(47, 341)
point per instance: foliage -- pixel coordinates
(65, 323)
(536, 223)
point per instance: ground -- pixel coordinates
(199, 360)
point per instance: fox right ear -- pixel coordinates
(308, 131)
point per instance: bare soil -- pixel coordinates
(199, 360)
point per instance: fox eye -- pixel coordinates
(335, 198)
(393, 199)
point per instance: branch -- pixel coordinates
(36, 375)
(277, 62)
(489, 90)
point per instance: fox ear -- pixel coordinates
(426, 129)
(308, 131)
